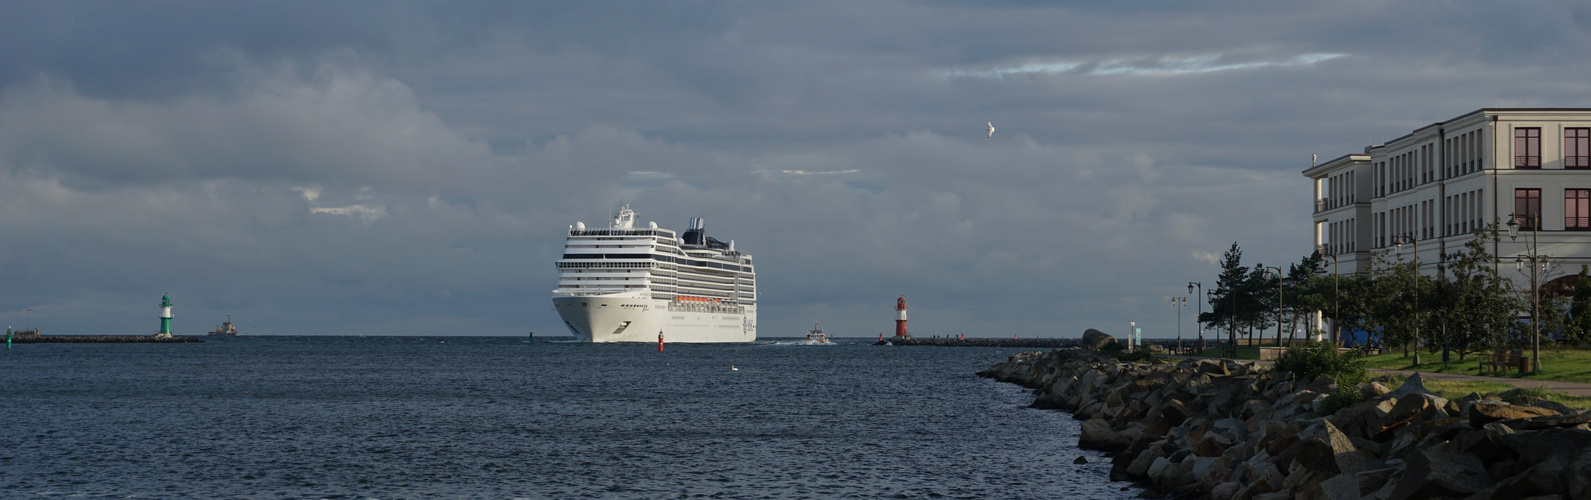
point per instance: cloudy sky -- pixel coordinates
(410, 167)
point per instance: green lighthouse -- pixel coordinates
(165, 317)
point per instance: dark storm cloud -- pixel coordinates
(408, 167)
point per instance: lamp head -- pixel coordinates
(1190, 287)
(1513, 227)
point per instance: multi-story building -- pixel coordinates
(1435, 186)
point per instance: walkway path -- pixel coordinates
(1571, 388)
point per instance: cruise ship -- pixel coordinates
(629, 284)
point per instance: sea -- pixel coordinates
(353, 417)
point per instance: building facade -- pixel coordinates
(1435, 186)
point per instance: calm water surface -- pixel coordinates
(498, 417)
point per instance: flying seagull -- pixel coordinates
(991, 130)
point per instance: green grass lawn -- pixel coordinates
(1568, 365)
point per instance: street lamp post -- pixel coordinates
(1336, 294)
(1278, 304)
(1179, 302)
(1199, 309)
(1536, 262)
(1399, 242)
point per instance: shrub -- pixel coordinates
(1345, 395)
(1141, 355)
(1113, 348)
(1312, 359)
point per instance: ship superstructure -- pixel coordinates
(628, 284)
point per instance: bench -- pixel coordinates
(1502, 359)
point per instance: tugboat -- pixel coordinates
(226, 328)
(816, 335)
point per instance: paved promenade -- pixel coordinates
(1570, 388)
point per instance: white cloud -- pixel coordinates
(309, 193)
(365, 213)
(1146, 66)
(826, 172)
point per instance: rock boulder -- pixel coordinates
(1481, 414)
(1415, 384)
(1095, 339)
(1434, 473)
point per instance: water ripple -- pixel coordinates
(410, 417)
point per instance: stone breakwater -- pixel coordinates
(104, 339)
(1222, 429)
(983, 342)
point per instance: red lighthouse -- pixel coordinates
(900, 318)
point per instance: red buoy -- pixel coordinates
(660, 341)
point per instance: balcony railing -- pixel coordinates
(1577, 223)
(1320, 206)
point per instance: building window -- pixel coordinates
(1527, 148)
(1576, 148)
(1577, 209)
(1527, 208)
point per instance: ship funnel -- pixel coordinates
(695, 234)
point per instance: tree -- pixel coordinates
(1257, 301)
(1302, 298)
(1578, 331)
(1394, 301)
(1480, 312)
(1227, 293)
(1355, 308)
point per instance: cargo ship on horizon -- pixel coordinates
(225, 328)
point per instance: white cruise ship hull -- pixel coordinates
(633, 318)
(627, 284)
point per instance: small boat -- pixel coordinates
(225, 328)
(816, 335)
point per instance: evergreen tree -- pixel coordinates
(1257, 303)
(1226, 296)
(1302, 299)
